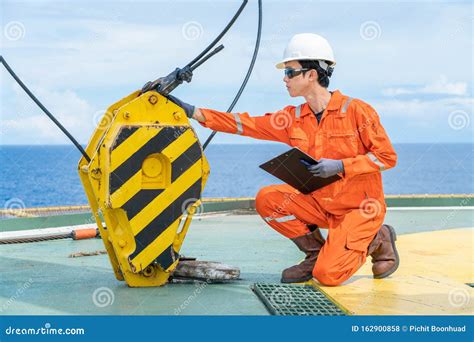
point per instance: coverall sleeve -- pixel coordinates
(380, 154)
(270, 126)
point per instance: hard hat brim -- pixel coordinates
(281, 64)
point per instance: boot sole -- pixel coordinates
(393, 238)
(300, 280)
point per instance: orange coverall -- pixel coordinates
(353, 208)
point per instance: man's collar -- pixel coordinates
(335, 103)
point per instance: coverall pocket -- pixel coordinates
(342, 144)
(358, 246)
(299, 139)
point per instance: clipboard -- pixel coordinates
(289, 167)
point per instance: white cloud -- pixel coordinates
(443, 86)
(438, 120)
(440, 86)
(441, 120)
(82, 58)
(34, 127)
(423, 109)
(116, 53)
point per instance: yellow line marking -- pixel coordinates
(131, 145)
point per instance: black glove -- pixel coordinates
(326, 168)
(166, 84)
(185, 74)
(188, 109)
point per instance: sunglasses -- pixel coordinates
(290, 72)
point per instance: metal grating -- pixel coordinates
(295, 300)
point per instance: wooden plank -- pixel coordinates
(205, 270)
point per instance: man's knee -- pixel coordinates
(327, 276)
(262, 199)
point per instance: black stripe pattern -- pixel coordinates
(133, 164)
(144, 197)
(124, 134)
(159, 224)
(185, 161)
(167, 258)
(139, 201)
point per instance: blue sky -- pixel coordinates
(412, 61)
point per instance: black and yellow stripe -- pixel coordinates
(168, 257)
(164, 219)
(145, 196)
(154, 214)
(133, 164)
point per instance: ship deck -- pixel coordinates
(435, 243)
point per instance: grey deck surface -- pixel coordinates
(40, 278)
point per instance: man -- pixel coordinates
(346, 137)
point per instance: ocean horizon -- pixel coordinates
(46, 175)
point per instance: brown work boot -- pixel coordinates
(384, 253)
(310, 244)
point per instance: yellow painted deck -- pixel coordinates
(435, 268)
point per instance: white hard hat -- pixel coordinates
(308, 46)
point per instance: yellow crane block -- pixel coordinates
(147, 170)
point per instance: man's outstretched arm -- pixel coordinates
(271, 126)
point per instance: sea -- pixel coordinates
(38, 176)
